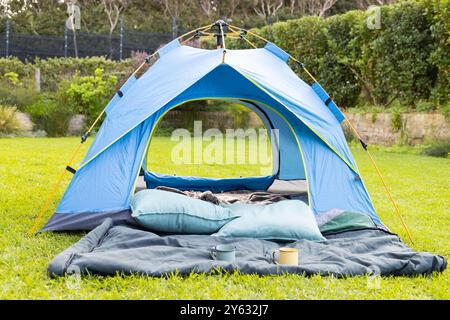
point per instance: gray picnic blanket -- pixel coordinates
(109, 250)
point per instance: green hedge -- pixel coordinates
(55, 70)
(407, 60)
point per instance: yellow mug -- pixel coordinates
(287, 256)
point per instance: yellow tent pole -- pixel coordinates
(147, 60)
(244, 38)
(178, 38)
(207, 35)
(202, 29)
(188, 39)
(265, 40)
(38, 219)
(250, 33)
(250, 43)
(195, 30)
(141, 65)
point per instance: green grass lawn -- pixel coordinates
(29, 167)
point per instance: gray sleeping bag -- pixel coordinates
(109, 250)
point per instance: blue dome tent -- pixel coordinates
(312, 145)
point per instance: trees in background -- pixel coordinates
(102, 16)
(268, 9)
(114, 9)
(10, 8)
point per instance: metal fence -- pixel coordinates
(120, 46)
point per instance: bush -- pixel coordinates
(445, 110)
(163, 130)
(339, 71)
(13, 64)
(437, 13)
(55, 70)
(89, 95)
(51, 115)
(425, 106)
(8, 120)
(438, 149)
(17, 92)
(399, 54)
(406, 60)
(306, 39)
(396, 121)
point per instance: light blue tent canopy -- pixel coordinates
(312, 145)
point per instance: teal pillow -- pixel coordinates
(165, 211)
(287, 220)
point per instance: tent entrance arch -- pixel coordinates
(236, 136)
(283, 143)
